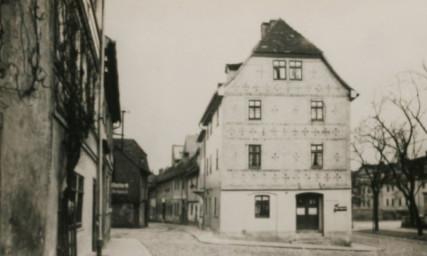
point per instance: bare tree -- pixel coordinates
(401, 145)
(377, 175)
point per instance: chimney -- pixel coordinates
(264, 28)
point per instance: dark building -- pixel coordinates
(129, 187)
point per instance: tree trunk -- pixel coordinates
(415, 214)
(375, 195)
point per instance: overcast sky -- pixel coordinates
(171, 54)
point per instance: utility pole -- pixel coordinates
(123, 125)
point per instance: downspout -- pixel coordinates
(100, 153)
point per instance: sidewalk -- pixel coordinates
(210, 238)
(124, 247)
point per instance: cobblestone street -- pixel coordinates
(164, 239)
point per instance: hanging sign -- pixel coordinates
(120, 188)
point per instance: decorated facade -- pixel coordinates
(275, 157)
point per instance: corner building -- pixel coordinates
(276, 161)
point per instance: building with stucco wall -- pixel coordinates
(34, 129)
(275, 157)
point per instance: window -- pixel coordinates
(295, 70)
(392, 202)
(208, 206)
(216, 162)
(262, 206)
(316, 155)
(279, 69)
(77, 187)
(254, 156)
(387, 202)
(369, 203)
(210, 166)
(254, 110)
(400, 201)
(182, 184)
(215, 208)
(316, 110)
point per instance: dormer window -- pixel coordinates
(295, 70)
(279, 69)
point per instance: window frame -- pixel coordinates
(317, 105)
(77, 188)
(254, 150)
(264, 210)
(277, 66)
(295, 65)
(316, 150)
(217, 160)
(253, 106)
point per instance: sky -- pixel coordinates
(172, 54)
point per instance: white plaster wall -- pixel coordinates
(286, 130)
(238, 212)
(87, 168)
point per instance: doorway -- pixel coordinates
(308, 211)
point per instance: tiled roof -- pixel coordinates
(183, 168)
(281, 38)
(133, 152)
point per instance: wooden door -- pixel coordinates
(308, 211)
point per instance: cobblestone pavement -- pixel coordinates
(164, 240)
(392, 246)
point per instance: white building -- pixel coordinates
(275, 158)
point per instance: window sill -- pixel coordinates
(317, 167)
(317, 121)
(262, 217)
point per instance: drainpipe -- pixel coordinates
(100, 153)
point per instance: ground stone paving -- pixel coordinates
(163, 240)
(392, 246)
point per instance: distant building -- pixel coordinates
(392, 203)
(130, 185)
(274, 154)
(171, 195)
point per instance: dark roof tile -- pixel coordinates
(280, 38)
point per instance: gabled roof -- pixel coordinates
(279, 37)
(211, 108)
(184, 168)
(133, 152)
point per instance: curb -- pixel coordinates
(358, 233)
(202, 239)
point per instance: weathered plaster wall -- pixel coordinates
(285, 131)
(28, 211)
(238, 213)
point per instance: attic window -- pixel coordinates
(295, 70)
(279, 69)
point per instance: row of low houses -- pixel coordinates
(273, 154)
(392, 203)
(47, 208)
